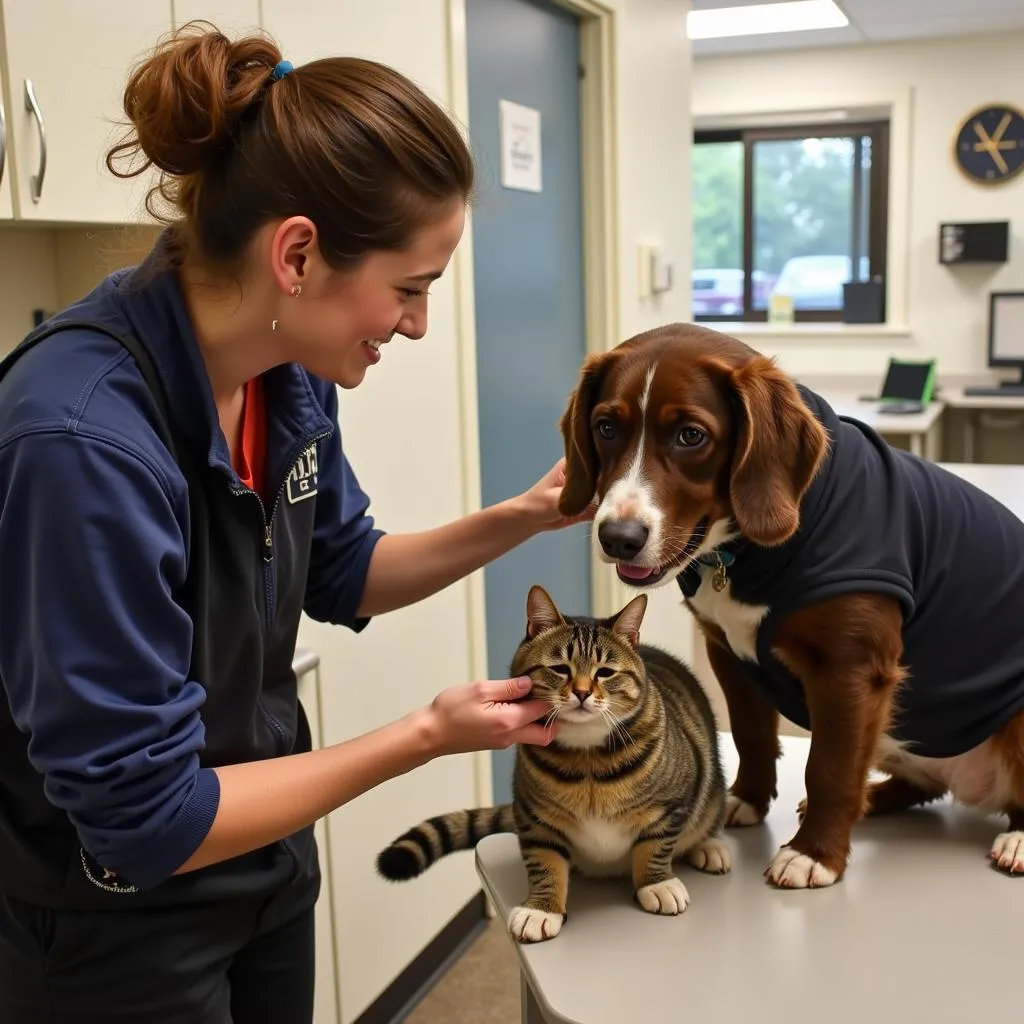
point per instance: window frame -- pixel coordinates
(878, 223)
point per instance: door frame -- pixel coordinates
(600, 279)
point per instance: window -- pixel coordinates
(798, 211)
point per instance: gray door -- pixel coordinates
(530, 329)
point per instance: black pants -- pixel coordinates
(237, 962)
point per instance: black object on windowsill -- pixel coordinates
(864, 302)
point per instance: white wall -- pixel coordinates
(930, 86)
(654, 146)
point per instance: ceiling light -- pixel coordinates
(762, 19)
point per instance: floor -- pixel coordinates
(481, 988)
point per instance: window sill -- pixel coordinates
(809, 331)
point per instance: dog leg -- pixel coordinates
(1007, 851)
(849, 675)
(755, 731)
(892, 795)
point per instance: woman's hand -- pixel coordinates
(490, 715)
(540, 503)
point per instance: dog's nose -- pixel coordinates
(622, 539)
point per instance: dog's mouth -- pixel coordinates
(649, 576)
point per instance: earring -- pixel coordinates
(273, 325)
(296, 290)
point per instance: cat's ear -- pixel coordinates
(627, 622)
(541, 613)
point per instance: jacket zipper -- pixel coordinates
(268, 559)
(268, 527)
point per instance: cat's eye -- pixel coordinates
(561, 670)
(604, 673)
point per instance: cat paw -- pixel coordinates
(1008, 852)
(793, 870)
(739, 814)
(712, 856)
(668, 897)
(527, 924)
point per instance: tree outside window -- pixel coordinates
(799, 211)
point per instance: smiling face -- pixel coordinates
(688, 438)
(340, 321)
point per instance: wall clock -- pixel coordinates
(989, 147)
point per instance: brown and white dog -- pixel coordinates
(868, 595)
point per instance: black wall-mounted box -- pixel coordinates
(974, 242)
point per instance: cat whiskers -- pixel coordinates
(552, 714)
(617, 728)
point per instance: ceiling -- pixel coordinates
(876, 21)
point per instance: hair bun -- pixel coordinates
(183, 101)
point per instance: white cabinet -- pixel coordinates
(65, 66)
(325, 1005)
(6, 164)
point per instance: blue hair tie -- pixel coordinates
(281, 68)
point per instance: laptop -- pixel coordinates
(909, 386)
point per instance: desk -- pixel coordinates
(920, 927)
(1004, 483)
(920, 427)
(974, 405)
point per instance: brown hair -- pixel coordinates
(349, 143)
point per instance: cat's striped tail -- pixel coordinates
(414, 851)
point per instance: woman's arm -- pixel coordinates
(264, 801)
(406, 568)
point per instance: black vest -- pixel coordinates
(242, 653)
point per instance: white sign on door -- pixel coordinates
(520, 146)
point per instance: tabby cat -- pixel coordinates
(632, 780)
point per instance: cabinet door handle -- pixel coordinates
(32, 106)
(3, 141)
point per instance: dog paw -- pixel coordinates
(668, 897)
(1008, 852)
(712, 856)
(793, 870)
(739, 814)
(527, 924)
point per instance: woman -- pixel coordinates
(157, 791)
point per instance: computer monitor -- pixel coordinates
(1005, 343)
(1006, 331)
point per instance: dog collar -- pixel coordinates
(719, 560)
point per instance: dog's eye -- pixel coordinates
(560, 670)
(690, 437)
(604, 673)
(606, 428)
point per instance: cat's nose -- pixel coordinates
(581, 696)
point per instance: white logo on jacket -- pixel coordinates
(302, 480)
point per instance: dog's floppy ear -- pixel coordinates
(779, 447)
(581, 462)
